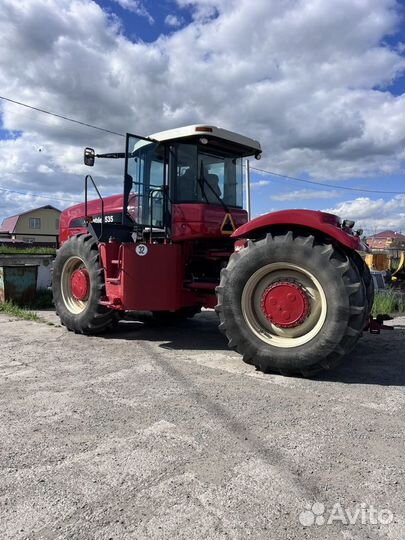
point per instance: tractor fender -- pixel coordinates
(327, 224)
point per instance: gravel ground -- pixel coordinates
(151, 433)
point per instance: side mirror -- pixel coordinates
(89, 157)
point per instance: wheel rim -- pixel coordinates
(280, 321)
(75, 285)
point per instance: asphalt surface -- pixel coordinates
(163, 433)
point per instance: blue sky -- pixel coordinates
(137, 27)
(321, 86)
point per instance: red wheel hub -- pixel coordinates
(79, 284)
(285, 304)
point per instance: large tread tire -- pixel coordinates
(368, 283)
(343, 288)
(94, 318)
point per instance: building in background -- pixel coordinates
(39, 226)
(387, 240)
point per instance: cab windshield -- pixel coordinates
(205, 176)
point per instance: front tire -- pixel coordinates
(291, 304)
(78, 287)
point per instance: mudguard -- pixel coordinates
(327, 224)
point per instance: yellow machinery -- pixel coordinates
(382, 261)
(401, 265)
(378, 261)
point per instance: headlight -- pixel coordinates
(348, 224)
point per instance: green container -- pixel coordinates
(18, 284)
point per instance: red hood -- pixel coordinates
(72, 219)
(112, 205)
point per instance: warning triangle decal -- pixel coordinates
(228, 225)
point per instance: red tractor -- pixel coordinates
(290, 288)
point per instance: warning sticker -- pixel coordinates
(228, 225)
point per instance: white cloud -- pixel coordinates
(42, 168)
(259, 184)
(204, 10)
(306, 194)
(12, 203)
(305, 77)
(173, 20)
(374, 215)
(136, 7)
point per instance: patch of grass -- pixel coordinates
(43, 300)
(388, 302)
(8, 250)
(15, 311)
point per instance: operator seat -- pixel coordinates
(184, 188)
(213, 183)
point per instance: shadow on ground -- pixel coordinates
(199, 333)
(376, 359)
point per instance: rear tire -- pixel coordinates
(368, 283)
(328, 285)
(85, 315)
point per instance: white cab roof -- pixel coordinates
(202, 130)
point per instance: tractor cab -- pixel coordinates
(180, 184)
(189, 175)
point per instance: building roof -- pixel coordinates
(9, 223)
(387, 234)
